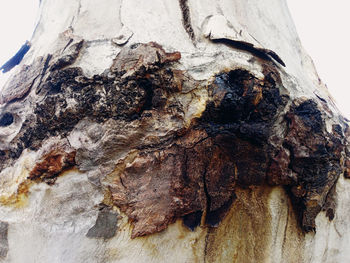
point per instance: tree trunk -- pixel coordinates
(170, 131)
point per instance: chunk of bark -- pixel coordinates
(105, 226)
(52, 165)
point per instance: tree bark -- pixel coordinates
(181, 131)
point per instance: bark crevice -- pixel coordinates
(186, 19)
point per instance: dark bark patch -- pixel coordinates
(239, 97)
(159, 187)
(214, 217)
(6, 119)
(192, 220)
(238, 149)
(134, 86)
(310, 115)
(195, 175)
(315, 158)
(105, 226)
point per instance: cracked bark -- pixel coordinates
(145, 140)
(186, 19)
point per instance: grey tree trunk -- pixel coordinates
(170, 131)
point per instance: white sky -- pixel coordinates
(323, 27)
(17, 20)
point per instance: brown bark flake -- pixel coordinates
(52, 165)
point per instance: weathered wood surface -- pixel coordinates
(170, 131)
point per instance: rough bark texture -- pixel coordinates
(171, 130)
